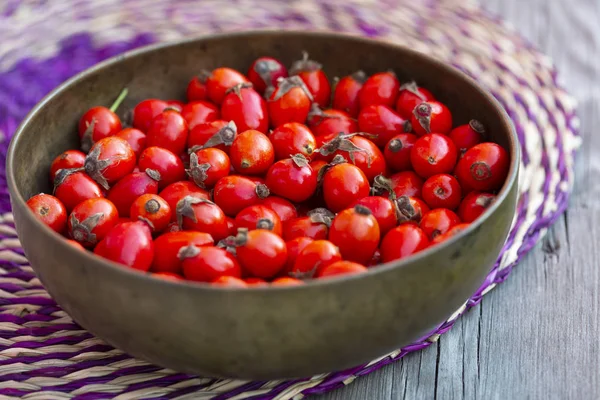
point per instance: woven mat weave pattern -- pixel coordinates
(45, 355)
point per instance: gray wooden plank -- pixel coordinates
(536, 335)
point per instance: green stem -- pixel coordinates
(119, 100)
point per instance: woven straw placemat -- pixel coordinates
(45, 355)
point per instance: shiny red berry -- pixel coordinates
(292, 138)
(218, 134)
(130, 244)
(207, 263)
(72, 187)
(153, 210)
(234, 193)
(251, 153)
(342, 268)
(178, 190)
(220, 80)
(169, 131)
(409, 97)
(433, 154)
(199, 112)
(207, 166)
(442, 191)
(383, 122)
(382, 209)
(282, 207)
(403, 241)
(109, 160)
(345, 95)
(315, 257)
(70, 159)
(474, 204)
(292, 179)
(397, 152)
(313, 76)
(135, 138)
(129, 188)
(246, 108)
(343, 184)
(145, 112)
(326, 122)
(261, 253)
(289, 102)
(264, 72)
(355, 232)
(168, 167)
(167, 246)
(438, 221)
(431, 116)
(91, 220)
(381, 88)
(468, 135)
(197, 214)
(49, 210)
(196, 88)
(259, 217)
(315, 225)
(483, 167)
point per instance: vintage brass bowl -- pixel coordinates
(257, 333)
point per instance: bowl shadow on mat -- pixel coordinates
(256, 333)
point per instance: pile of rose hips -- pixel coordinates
(275, 177)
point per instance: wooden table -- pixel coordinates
(536, 336)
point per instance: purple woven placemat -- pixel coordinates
(45, 355)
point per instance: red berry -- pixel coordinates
(410, 209)
(152, 209)
(292, 138)
(252, 281)
(178, 190)
(264, 72)
(169, 131)
(234, 193)
(314, 226)
(207, 166)
(405, 183)
(409, 97)
(207, 263)
(197, 214)
(145, 112)
(261, 252)
(196, 88)
(292, 179)
(251, 153)
(167, 246)
(70, 159)
(403, 241)
(218, 134)
(382, 209)
(453, 231)
(342, 268)
(345, 95)
(330, 121)
(199, 112)
(109, 160)
(130, 244)
(431, 116)
(483, 167)
(91, 220)
(49, 210)
(442, 191)
(97, 123)
(359, 151)
(382, 121)
(282, 207)
(246, 108)
(311, 73)
(315, 257)
(473, 205)
(129, 188)
(294, 247)
(229, 282)
(176, 105)
(259, 217)
(467, 136)
(220, 80)
(289, 102)
(72, 187)
(381, 88)
(438, 221)
(135, 138)
(355, 232)
(166, 165)
(397, 152)
(433, 154)
(343, 184)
